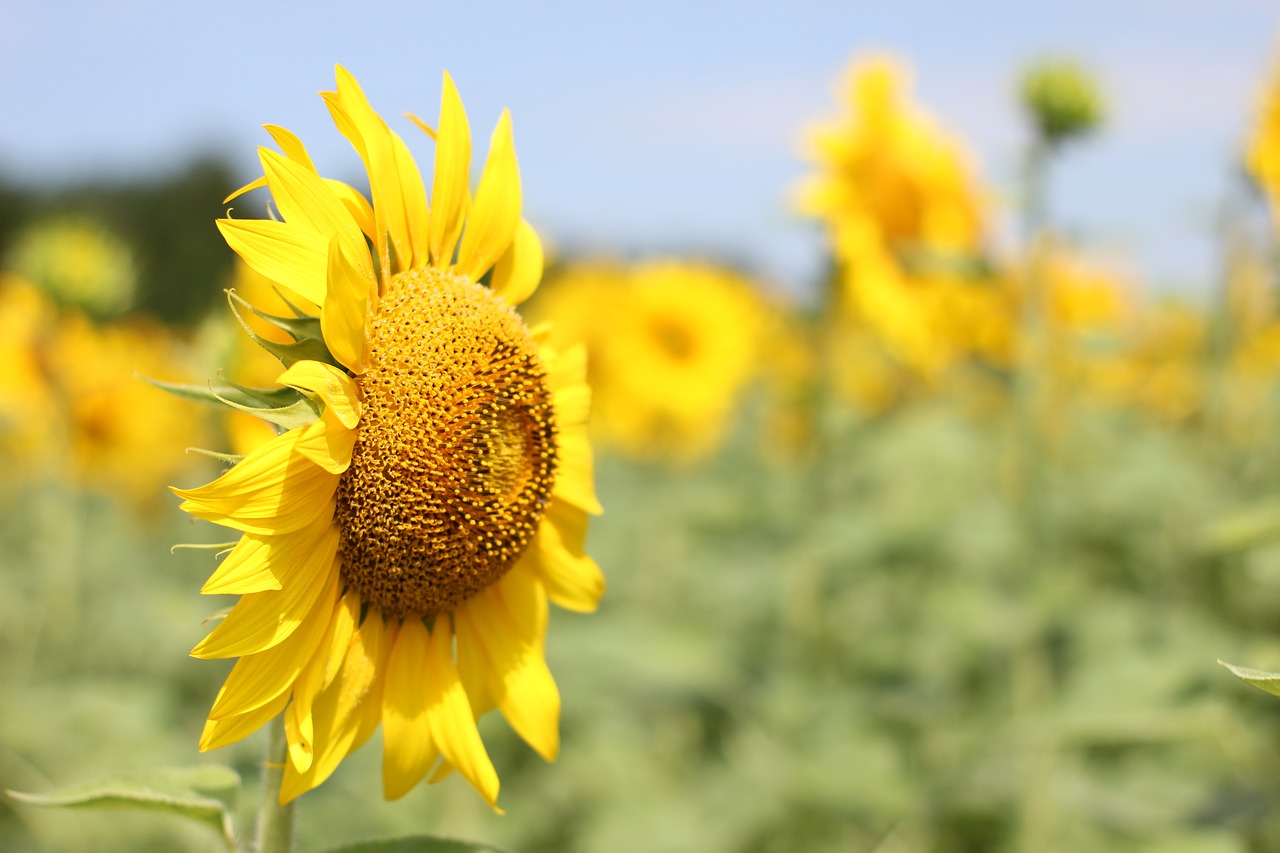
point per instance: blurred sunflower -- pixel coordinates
(399, 550)
(905, 222)
(95, 366)
(28, 405)
(78, 262)
(887, 166)
(682, 341)
(1262, 154)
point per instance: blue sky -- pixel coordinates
(657, 126)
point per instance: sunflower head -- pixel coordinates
(428, 492)
(684, 341)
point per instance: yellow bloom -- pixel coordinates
(399, 551)
(672, 345)
(125, 435)
(884, 164)
(1262, 157)
(926, 321)
(28, 406)
(71, 404)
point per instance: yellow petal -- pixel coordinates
(338, 710)
(257, 679)
(451, 185)
(231, 729)
(291, 145)
(328, 443)
(335, 388)
(371, 138)
(370, 712)
(495, 214)
(518, 271)
(453, 728)
(408, 750)
(573, 580)
(516, 670)
(356, 204)
(246, 569)
(315, 677)
(252, 185)
(273, 490)
(414, 193)
(292, 256)
(305, 199)
(574, 479)
(346, 309)
(303, 562)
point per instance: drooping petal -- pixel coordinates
(303, 562)
(346, 309)
(453, 728)
(451, 185)
(338, 710)
(518, 271)
(408, 747)
(259, 678)
(273, 490)
(292, 256)
(246, 569)
(492, 222)
(516, 670)
(315, 677)
(558, 554)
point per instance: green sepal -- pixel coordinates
(287, 408)
(203, 546)
(228, 458)
(1267, 682)
(305, 330)
(205, 794)
(216, 616)
(416, 844)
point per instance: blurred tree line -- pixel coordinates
(183, 263)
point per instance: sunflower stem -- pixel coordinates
(275, 821)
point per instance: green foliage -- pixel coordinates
(854, 653)
(415, 844)
(204, 794)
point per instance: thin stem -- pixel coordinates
(275, 821)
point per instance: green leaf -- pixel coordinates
(417, 844)
(205, 794)
(1268, 682)
(308, 337)
(287, 408)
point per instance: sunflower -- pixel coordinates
(400, 548)
(886, 163)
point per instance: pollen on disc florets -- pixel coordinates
(455, 455)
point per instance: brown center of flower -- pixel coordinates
(456, 452)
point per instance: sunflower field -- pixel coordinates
(939, 551)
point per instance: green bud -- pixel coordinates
(1062, 99)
